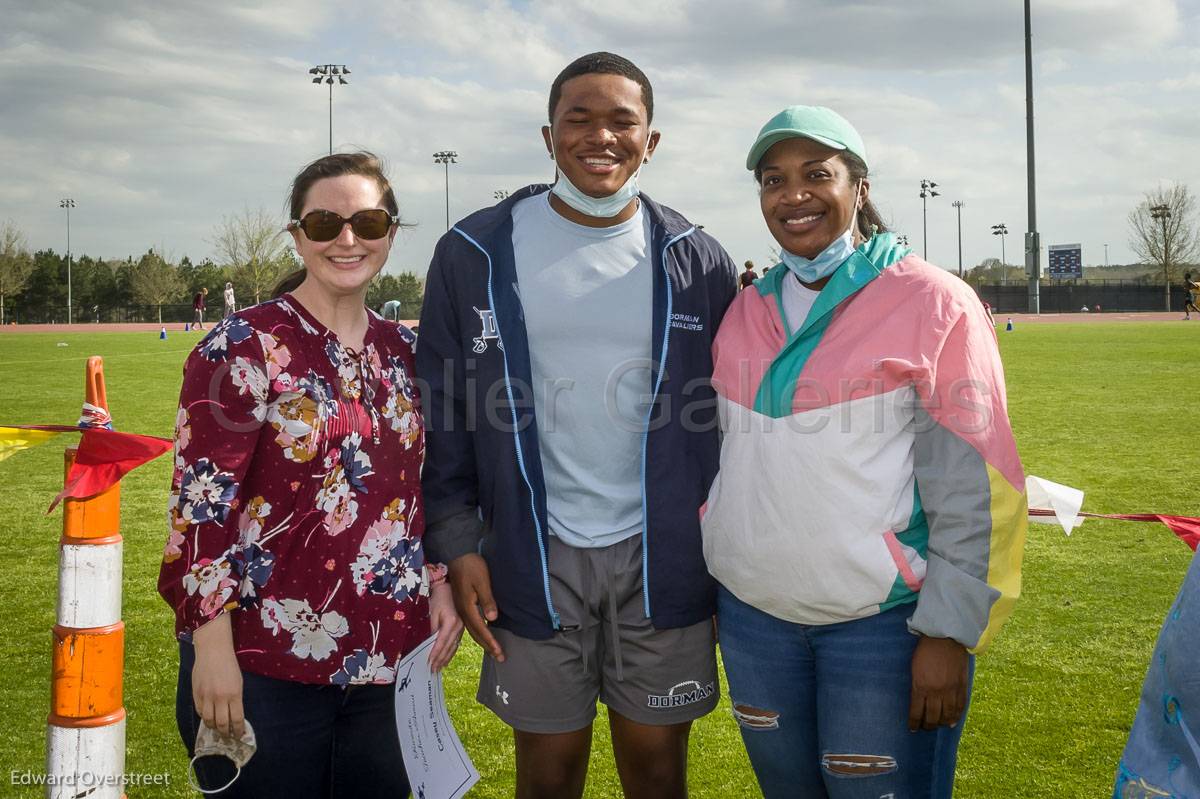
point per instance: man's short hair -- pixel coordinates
(749, 264)
(603, 63)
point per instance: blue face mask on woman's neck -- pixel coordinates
(600, 207)
(810, 270)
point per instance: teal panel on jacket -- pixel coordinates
(778, 387)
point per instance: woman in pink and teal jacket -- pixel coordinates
(882, 549)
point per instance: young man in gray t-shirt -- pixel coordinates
(589, 583)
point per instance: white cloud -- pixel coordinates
(160, 117)
(491, 35)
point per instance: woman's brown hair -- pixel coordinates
(335, 165)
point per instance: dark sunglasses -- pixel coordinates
(326, 226)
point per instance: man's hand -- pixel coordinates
(217, 679)
(940, 676)
(472, 586)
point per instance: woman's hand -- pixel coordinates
(217, 679)
(444, 620)
(940, 676)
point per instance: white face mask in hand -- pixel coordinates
(210, 743)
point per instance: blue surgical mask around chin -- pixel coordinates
(810, 270)
(600, 207)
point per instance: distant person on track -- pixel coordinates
(748, 276)
(230, 301)
(1191, 288)
(391, 310)
(987, 306)
(198, 308)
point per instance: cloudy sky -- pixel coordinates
(160, 117)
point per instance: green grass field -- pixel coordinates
(1104, 407)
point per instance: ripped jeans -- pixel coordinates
(823, 709)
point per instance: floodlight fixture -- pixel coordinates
(1001, 230)
(325, 74)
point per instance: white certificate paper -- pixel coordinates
(437, 764)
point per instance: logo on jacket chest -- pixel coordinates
(687, 321)
(488, 331)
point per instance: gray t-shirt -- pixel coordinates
(587, 297)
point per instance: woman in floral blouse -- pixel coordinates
(294, 563)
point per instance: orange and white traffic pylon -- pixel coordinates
(85, 742)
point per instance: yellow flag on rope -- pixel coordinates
(15, 439)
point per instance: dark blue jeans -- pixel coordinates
(314, 741)
(823, 709)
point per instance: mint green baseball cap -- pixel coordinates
(815, 122)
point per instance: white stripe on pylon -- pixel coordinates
(89, 585)
(82, 759)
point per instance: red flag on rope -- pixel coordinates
(1186, 527)
(103, 458)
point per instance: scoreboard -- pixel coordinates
(1065, 260)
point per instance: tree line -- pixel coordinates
(249, 249)
(253, 254)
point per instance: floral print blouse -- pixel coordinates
(296, 501)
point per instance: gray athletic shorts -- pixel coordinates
(607, 650)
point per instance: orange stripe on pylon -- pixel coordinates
(85, 520)
(97, 519)
(67, 541)
(82, 724)
(86, 673)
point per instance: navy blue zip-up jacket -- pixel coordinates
(483, 484)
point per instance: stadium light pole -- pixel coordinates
(1163, 213)
(446, 157)
(1001, 230)
(1033, 240)
(902, 239)
(501, 194)
(1106, 255)
(67, 204)
(325, 73)
(958, 206)
(927, 187)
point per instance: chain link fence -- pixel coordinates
(1070, 296)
